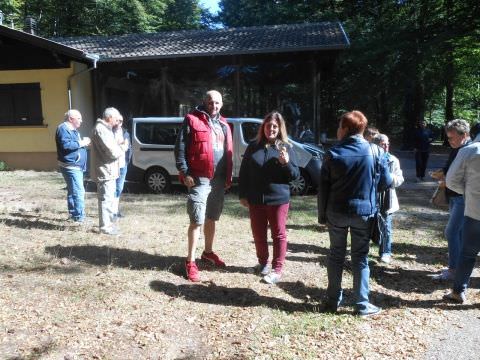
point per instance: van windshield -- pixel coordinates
(157, 133)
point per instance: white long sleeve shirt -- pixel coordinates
(463, 177)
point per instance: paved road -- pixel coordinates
(459, 338)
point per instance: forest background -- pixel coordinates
(409, 59)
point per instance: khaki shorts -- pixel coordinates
(205, 200)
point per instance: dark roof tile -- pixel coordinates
(233, 41)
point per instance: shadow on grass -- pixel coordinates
(389, 301)
(423, 254)
(405, 280)
(30, 222)
(307, 248)
(411, 281)
(109, 256)
(210, 293)
(299, 291)
(310, 227)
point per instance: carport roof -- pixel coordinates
(37, 41)
(218, 42)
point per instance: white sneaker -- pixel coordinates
(262, 269)
(386, 258)
(272, 278)
(445, 275)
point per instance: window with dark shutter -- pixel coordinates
(20, 104)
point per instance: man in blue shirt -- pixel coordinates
(72, 161)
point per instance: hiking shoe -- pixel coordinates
(213, 259)
(386, 258)
(272, 278)
(329, 308)
(192, 271)
(445, 275)
(458, 298)
(111, 232)
(369, 310)
(262, 269)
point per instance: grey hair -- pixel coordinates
(461, 126)
(70, 113)
(110, 112)
(380, 138)
(210, 93)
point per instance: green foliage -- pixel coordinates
(409, 59)
(105, 17)
(182, 15)
(3, 166)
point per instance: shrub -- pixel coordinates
(3, 166)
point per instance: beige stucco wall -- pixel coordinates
(33, 147)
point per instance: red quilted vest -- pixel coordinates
(200, 148)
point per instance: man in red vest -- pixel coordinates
(203, 156)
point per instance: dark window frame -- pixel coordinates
(158, 133)
(21, 104)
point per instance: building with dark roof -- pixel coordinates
(257, 69)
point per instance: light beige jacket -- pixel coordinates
(105, 153)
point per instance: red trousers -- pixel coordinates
(276, 216)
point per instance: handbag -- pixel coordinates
(378, 229)
(378, 225)
(439, 198)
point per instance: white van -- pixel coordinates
(153, 161)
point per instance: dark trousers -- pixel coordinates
(421, 159)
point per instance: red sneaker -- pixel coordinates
(192, 271)
(213, 259)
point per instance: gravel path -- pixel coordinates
(459, 338)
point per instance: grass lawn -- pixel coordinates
(70, 293)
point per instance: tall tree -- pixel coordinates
(403, 54)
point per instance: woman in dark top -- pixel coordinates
(268, 165)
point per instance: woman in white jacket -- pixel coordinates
(390, 204)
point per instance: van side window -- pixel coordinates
(157, 134)
(249, 131)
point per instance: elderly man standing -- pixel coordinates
(463, 177)
(72, 160)
(352, 173)
(106, 168)
(203, 155)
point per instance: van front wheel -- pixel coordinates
(157, 180)
(300, 185)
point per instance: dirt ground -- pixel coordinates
(70, 293)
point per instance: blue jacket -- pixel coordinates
(350, 179)
(69, 151)
(262, 179)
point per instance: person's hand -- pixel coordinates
(244, 202)
(437, 174)
(125, 142)
(283, 158)
(85, 141)
(189, 181)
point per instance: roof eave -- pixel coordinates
(337, 47)
(35, 40)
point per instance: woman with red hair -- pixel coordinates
(352, 172)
